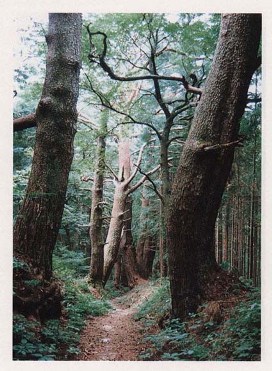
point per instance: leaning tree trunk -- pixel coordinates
(123, 189)
(39, 218)
(206, 161)
(111, 248)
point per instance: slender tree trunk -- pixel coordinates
(225, 239)
(96, 235)
(119, 242)
(165, 191)
(146, 244)
(129, 255)
(113, 240)
(206, 162)
(252, 215)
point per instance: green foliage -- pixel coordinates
(28, 343)
(58, 339)
(174, 343)
(241, 336)
(237, 338)
(111, 292)
(157, 304)
(69, 264)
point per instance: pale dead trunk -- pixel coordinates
(113, 240)
(122, 190)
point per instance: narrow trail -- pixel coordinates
(116, 336)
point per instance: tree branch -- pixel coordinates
(105, 103)
(139, 160)
(157, 87)
(176, 138)
(153, 184)
(25, 122)
(216, 147)
(111, 171)
(101, 57)
(142, 180)
(85, 178)
(29, 121)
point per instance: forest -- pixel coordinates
(137, 187)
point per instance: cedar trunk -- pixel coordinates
(39, 219)
(146, 247)
(129, 254)
(203, 169)
(96, 235)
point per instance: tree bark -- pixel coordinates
(129, 254)
(96, 236)
(113, 240)
(122, 190)
(203, 170)
(145, 251)
(39, 219)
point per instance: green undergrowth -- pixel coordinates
(157, 306)
(236, 337)
(58, 339)
(111, 292)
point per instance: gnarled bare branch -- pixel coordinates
(112, 75)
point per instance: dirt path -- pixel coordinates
(116, 336)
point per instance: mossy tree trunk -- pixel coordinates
(39, 219)
(206, 162)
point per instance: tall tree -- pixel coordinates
(206, 162)
(96, 236)
(38, 221)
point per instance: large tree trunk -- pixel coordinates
(206, 162)
(39, 219)
(96, 236)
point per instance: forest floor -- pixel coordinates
(116, 336)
